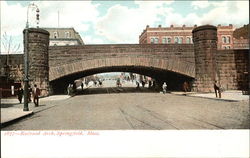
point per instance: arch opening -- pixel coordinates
(174, 80)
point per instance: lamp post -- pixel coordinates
(33, 6)
(26, 56)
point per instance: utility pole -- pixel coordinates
(26, 70)
(26, 56)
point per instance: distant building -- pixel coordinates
(241, 37)
(225, 37)
(166, 35)
(183, 35)
(64, 36)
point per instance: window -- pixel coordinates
(67, 34)
(188, 40)
(176, 40)
(169, 40)
(55, 35)
(164, 40)
(225, 47)
(228, 39)
(152, 40)
(180, 39)
(156, 40)
(224, 40)
(228, 47)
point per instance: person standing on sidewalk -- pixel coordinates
(164, 87)
(36, 93)
(20, 94)
(217, 88)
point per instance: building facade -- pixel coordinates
(183, 35)
(64, 36)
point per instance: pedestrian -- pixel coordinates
(82, 85)
(69, 89)
(29, 93)
(20, 94)
(153, 84)
(137, 84)
(185, 86)
(100, 83)
(217, 89)
(36, 93)
(118, 82)
(74, 87)
(164, 87)
(149, 84)
(143, 83)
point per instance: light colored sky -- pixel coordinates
(111, 22)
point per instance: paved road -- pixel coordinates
(132, 110)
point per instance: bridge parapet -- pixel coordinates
(68, 59)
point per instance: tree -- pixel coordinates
(8, 45)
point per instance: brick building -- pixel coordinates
(183, 34)
(64, 36)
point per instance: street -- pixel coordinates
(125, 108)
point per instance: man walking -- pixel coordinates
(36, 93)
(20, 94)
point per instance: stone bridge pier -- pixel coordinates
(38, 45)
(205, 50)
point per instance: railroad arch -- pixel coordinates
(159, 68)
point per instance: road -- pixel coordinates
(125, 108)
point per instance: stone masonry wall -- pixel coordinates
(73, 59)
(233, 67)
(205, 49)
(38, 44)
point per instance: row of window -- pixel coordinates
(227, 47)
(169, 39)
(67, 34)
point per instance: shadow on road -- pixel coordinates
(111, 90)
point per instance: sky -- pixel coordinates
(117, 22)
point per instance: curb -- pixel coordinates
(4, 124)
(218, 99)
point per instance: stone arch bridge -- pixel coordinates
(163, 62)
(52, 68)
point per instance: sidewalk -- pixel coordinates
(232, 95)
(12, 110)
(9, 115)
